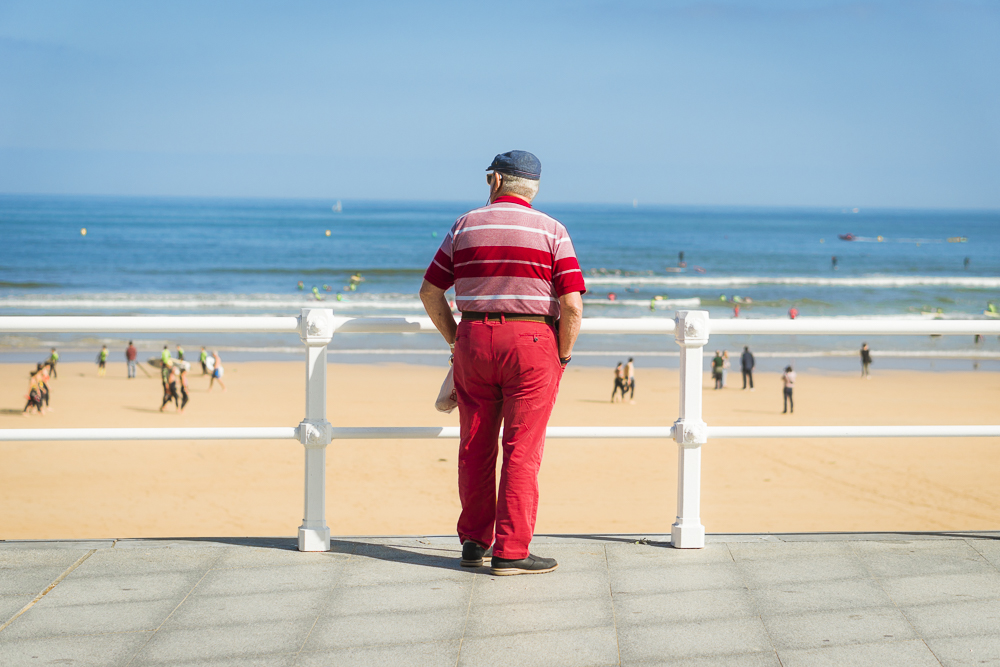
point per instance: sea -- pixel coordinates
(76, 255)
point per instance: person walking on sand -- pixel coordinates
(102, 361)
(42, 378)
(170, 389)
(217, 372)
(130, 355)
(52, 361)
(788, 380)
(866, 360)
(725, 367)
(746, 366)
(34, 396)
(203, 358)
(619, 382)
(717, 369)
(184, 386)
(518, 285)
(629, 381)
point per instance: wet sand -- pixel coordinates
(254, 488)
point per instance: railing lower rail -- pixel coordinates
(316, 328)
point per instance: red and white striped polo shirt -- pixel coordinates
(507, 257)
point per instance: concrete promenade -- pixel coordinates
(811, 599)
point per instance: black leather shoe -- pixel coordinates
(472, 554)
(530, 565)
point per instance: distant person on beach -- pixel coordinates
(203, 358)
(42, 375)
(736, 310)
(833, 262)
(217, 372)
(130, 355)
(170, 389)
(866, 360)
(788, 380)
(184, 386)
(746, 366)
(53, 360)
(793, 312)
(509, 355)
(629, 381)
(180, 352)
(102, 361)
(165, 359)
(619, 382)
(717, 362)
(34, 396)
(725, 367)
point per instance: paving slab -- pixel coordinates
(679, 607)
(833, 628)
(106, 650)
(527, 616)
(768, 659)
(364, 629)
(988, 549)
(978, 651)
(913, 653)
(11, 604)
(956, 619)
(170, 646)
(585, 647)
(814, 596)
(659, 578)
(662, 641)
(903, 559)
(907, 591)
(436, 654)
(30, 571)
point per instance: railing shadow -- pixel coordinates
(429, 555)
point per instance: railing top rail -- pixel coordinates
(874, 326)
(148, 324)
(408, 324)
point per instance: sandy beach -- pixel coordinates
(171, 489)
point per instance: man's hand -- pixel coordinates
(571, 309)
(438, 310)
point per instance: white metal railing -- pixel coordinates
(316, 328)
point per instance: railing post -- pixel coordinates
(316, 331)
(690, 432)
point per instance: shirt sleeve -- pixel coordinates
(566, 274)
(441, 272)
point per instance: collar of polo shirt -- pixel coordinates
(511, 199)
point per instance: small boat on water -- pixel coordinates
(846, 237)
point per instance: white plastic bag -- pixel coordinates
(447, 400)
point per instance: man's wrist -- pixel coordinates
(565, 360)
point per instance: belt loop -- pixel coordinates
(502, 320)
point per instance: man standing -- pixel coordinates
(52, 361)
(746, 365)
(130, 354)
(518, 285)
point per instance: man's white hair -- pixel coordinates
(525, 188)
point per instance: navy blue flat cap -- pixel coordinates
(517, 163)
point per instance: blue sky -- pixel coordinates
(669, 102)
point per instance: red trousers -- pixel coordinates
(504, 371)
